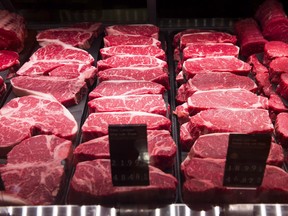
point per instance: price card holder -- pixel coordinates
(129, 155)
(246, 160)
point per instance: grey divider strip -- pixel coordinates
(175, 129)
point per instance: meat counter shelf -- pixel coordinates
(173, 210)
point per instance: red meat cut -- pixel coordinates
(67, 91)
(273, 20)
(277, 67)
(34, 170)
(274, 49)
(131, 61)
(281, 130)
(204, 37)
(116, 40)
(193, 66)
(222, 98)
(8, 59)
(3, 88)
(249, 37)
(215, 80)
(264, 85)
(152, 74)
(282, 87)
(12, 31)
(148, 50)
(215, 146)
(257, 66)
(200, 50)
(148, 30)
(28, 116)
(96, 124)
(97, 173)
(125, 87)
(161, 148)
(152, 103)
(225, 120)
(204, 183)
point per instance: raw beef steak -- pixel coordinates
(273, 20)
(148, 30)
(148, 50)
(249, 36)
(67, 91)
(12, 31)
(276, 106)
(221, 98)
(282, 87)
(27, 116)
(116, 40)
(281, 130)
(225, 120)
(264, 85)
(215, 80)
(177, 36)
(257, 66)
(3, 88)
(125, 87)
(215, 146)
(277, 67)
(92, 184)
(204, 37)
(8, 59)
(161, 148)
(152, 103)
(200, 50)
(131, 61)
(274, 49)
(204, 183)
(96, 124)
(193, 66)
(40, 183)
(156, 74)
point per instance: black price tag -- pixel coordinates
(129, 155)
(246, 159)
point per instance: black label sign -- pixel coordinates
(246, 159)
(129, 155)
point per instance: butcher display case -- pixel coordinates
(143, 108)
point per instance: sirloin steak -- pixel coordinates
(116, 40)
(92, 184)
(27, 116)
(161, 148)
(247, 121)
(125, 87)
(152, 103)
(215, 145)
(96, 124)
(215, 80)
(193, 66)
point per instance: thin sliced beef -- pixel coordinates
(161, 148)
(92, 184)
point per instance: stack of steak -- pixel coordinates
(132, 89)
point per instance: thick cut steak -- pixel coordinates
(156, 74)
(281, 128)
(273, 20)
(131, 61)
(161, 148)
(152, 103)
(264, 85)
(177, 36)
(92, 184)
(148, 30)
(249, 36)
(247, 121)
(96, 124)
(274, 49)
(215, 146)
(8, 59)
(12, 31)
(27, 116)
(67, 91)
(125, 87)
(116, 40)
(200, 50)
(210, 81)
(282, 87)
(223, 98)
(277, 67)
(193, 66)
(148, 50)
(204, 37)
(204, 183)
(257, 66)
